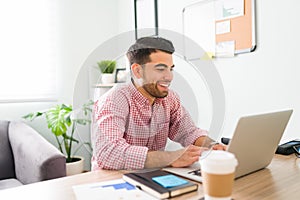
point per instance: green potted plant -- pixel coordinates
(107, 68)
(61, 122)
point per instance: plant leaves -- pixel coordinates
(58, 119)
(32, 116)
(107, 66)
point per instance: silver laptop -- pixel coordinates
(254, 143)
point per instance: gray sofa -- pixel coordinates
(26, 157)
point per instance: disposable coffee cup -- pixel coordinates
(217, 169)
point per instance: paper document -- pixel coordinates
(113, 190)
(226, 9)
(225, 49)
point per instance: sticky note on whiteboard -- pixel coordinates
(223, 27)
(207, 56)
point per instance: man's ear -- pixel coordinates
(137, 70)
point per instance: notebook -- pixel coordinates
(254, 143)
(160, 184)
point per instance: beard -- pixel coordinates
(153, 90)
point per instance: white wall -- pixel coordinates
(262, 81)
(84, 26)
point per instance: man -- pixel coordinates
(132, 122)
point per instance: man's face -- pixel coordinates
(157, 74)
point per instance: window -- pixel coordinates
(28, 50)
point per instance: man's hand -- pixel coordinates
(180, 158)
(205, 141)
(219, 147)
(188, 156)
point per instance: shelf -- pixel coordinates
(107, 85)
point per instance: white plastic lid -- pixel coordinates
(218, 162)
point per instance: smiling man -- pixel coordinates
(132, 122)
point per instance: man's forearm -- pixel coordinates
(162, 158)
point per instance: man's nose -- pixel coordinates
(168, 75)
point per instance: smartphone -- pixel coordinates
(297, 149)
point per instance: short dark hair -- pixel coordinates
(139, 52)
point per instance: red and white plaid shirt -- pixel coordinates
(125, 127)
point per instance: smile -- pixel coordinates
(164, 84)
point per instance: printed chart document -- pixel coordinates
(226, 9)
(116, 189)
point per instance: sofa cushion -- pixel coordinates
(7, 168)
(9, 183)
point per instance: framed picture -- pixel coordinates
(121, 75)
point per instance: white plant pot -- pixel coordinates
(75, 167)
(108, 78)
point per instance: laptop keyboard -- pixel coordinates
(195, 172)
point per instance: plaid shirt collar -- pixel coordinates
(140, 99)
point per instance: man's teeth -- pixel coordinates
(164, 85)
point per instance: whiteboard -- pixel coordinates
(199, 24)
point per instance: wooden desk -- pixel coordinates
(280, 180)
